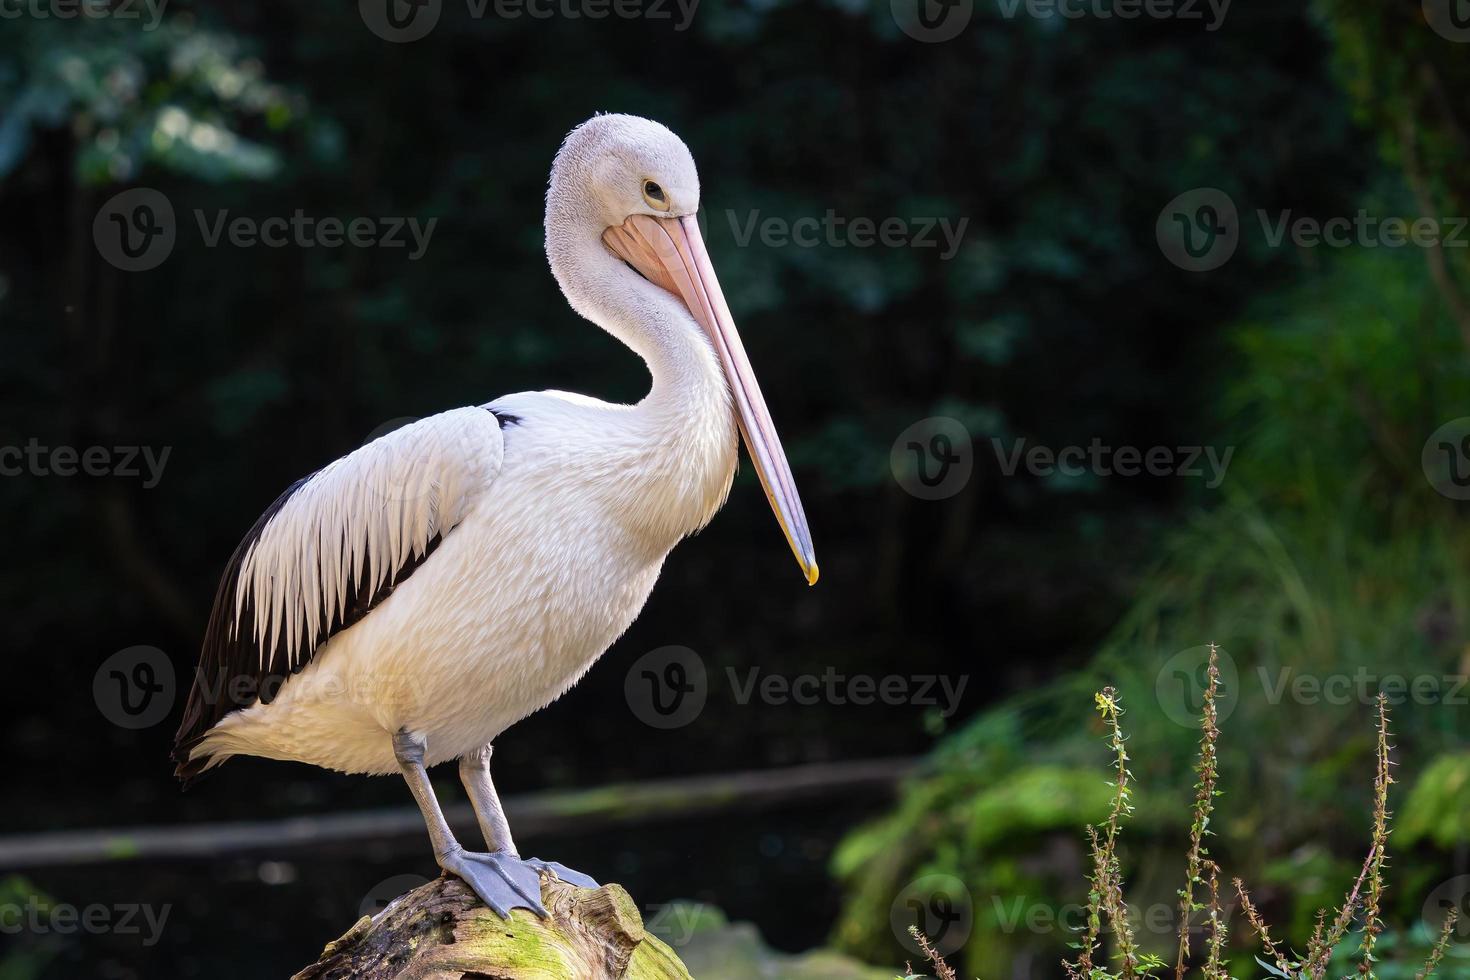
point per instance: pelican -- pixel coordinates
(404, 605)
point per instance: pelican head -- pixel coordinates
(623, 199)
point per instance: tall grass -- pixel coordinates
(1106, 901)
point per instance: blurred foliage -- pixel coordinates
(1407, 86)
(1331, 556)
(1438, 807)
(713, 948)
(26, 956)
(174, 98)
(1402, 955)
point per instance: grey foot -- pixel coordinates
(503, 881)
(563, 872)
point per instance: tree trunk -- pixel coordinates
(441, 931)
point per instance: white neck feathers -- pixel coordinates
(687, 419)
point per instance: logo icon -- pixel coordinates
(667, 688)
(400, 21)
(933, 458)
(384, 892)
(399, 467)
(1181, 684)
(1446, 459)
(932, 21)
(1450, 19)
(1198, 230)
(1452, 896)
(134, 230)
(940, 906)
(134, 688)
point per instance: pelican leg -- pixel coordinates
(474, 772)
(501, 879)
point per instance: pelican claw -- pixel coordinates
(563, 872)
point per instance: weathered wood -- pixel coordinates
(440, 931)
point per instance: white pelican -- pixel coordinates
(406, 604)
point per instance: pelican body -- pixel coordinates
(406, 604)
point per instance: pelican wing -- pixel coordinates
(331, 548)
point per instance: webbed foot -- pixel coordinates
(503, 881)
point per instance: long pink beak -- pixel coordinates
(670, 253)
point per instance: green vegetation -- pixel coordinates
(1438, 810)
(1331, 568)
(713, 948)
(19, 898)
(1326, 948)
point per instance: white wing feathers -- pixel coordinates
(349, 530)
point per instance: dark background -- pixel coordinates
(1060, 320)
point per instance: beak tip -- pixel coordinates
(812, 572)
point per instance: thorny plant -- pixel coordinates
(1106, 906)
(942, 970)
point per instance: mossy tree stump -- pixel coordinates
(441, 931)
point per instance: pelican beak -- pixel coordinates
(669, 252)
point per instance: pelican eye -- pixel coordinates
(655, 196)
